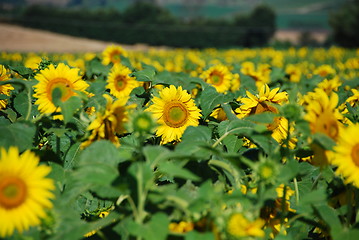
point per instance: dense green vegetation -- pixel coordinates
(150, 24)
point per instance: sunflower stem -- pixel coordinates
(296, 190)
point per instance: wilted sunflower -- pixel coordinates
(112, 54)
(120, 82)
(25, 192)
(109, 123)
(6, 88)
(346, 155)
(174, 110)
(219, 77)
(63, 78)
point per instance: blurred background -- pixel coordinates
(193, 23)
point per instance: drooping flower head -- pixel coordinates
(120, 82)
(219, 77)
(174, 110)
(63, 78)
(6, 88)
(109, 122)
(346, 155)
(112, 54)
(25, 191)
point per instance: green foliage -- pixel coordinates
(343, 23)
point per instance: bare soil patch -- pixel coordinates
(20, 39)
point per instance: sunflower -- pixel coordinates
(294, 72)
(25, 192)
(219, 77)
(112, 54)
(110, 122)
(264, 102)
(322, 113)
(239, 226)
(324, 70)
(346, 155)
(323, 117)
(174, 111)
(6, 88)
(330, 85)
(62, 77)
(119, 82)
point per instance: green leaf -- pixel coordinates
(21, 103)
(266, 117)
(70, 107)
(145, 75)
(237, 127)
(11, 115)
(23, 71)
(143, 174)
(155, 154)
(194, 235)
(323, 140)
(330, 216)
(17, 134)
(346, 234)
(155, 229)
(71, 156)
(174, 170)
(209, 99)
(198, 133)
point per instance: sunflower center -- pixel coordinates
(175, 114)
(216, 78)
(120, 82)
(115, 57)
(13, 192)
(63, 85)
(263, 107)
(355, 154)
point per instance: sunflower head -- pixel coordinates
(6, 88)
(240, 226)
(174, 111)
(346, 155)
(264, 102)
(25, 191)
(112, 54)
(109, 122)
(120, 82)
(219, 77)
(60, 79)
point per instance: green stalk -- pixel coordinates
(296, 190)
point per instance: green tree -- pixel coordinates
(345, 25)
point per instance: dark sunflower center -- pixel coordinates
(175, 114)
(13, 192)
(355, 154)
(61, 84)
(120, 82)
(264, 107)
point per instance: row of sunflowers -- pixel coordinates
(180, 144)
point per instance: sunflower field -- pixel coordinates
(180, 144)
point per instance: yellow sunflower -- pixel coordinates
(324, 70)
(25, 192)
(219, 77)
(323, 117)
(294, 72)
(110, 122)
(174, 110)
(112, 54)
(346, 155)
(239, 226)
(264, 102)
(119, 82)
(4, 89)
(62, 77)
